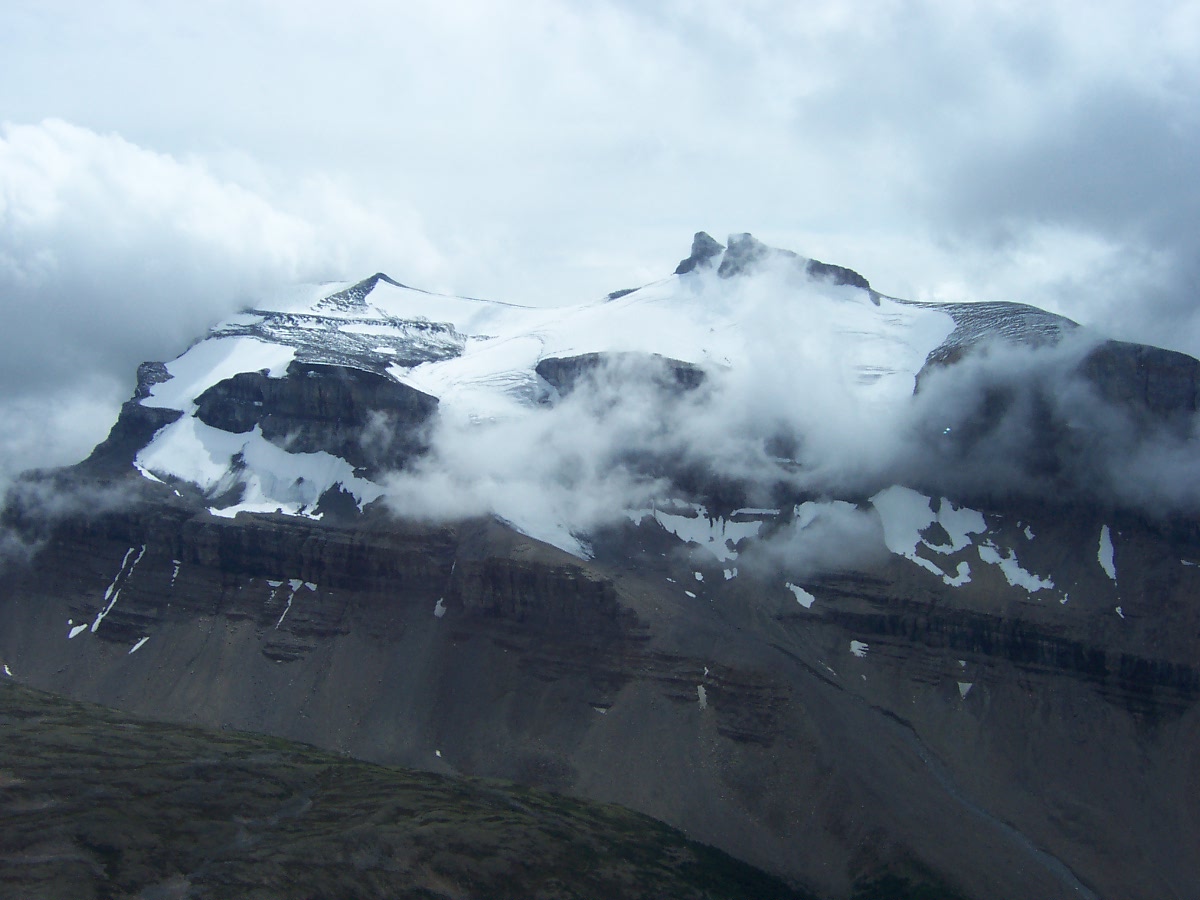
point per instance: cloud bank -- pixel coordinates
(111, 254)
(788, 424)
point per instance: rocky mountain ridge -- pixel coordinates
(992, 687)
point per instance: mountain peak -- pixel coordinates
(704, 248)
(355, 296)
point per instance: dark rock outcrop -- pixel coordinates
(565, 373)
(370, 420)
(744, 253)
(1161, 383)
(836, 275)
(135, 425)
(704, 250)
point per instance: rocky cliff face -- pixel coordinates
(363, 417)
(997, 701)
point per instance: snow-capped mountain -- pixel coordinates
(480, 360)
(755, 548)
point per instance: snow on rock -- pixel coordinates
(906, 514)
(692, 525)
(961, 577)
(212, 361)
(1105, 553)
(113, 591)
(271, 478)
(8, 671)
(859, 649)
(803, 597)
(287, 609)
(1011, 569)
(960, 523)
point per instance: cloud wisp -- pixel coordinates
(787, 420)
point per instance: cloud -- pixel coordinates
(557, 151)
(111, 254)
(805, 416)
(32, 506)
(819, 538)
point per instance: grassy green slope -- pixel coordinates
(97, 804)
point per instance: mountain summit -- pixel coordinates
(861, 590)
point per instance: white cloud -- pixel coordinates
(111, 254)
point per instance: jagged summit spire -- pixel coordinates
(742, 252)
(355, 296)
(704, 248)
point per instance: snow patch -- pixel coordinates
(439, 608)
(138, 646)
(271, 478)
(287, 609)
(702, 694)
(694, 526)
(964, 688)
(803, 597)
(906, 514)
(1120, 613)
(113, 591)
(859, 649)
(962, 577)
(1013, 573)
(1105, 553)
(730, 574)
(212, 361)
(77, 630)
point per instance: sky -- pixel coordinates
(162, 164)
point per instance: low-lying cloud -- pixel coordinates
(111, 254)
(788, 424)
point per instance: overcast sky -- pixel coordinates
(161, 163)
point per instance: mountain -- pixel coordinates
(851, 587)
